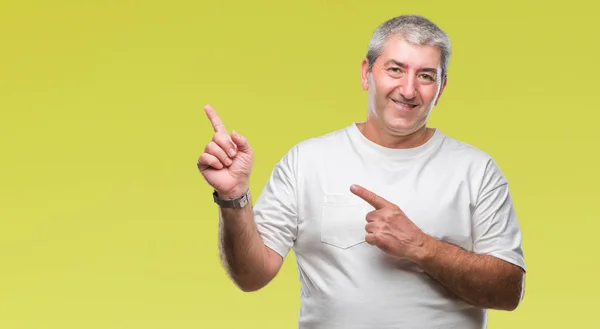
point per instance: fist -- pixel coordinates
(227, 160)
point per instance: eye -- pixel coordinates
(395, 72)
(427, 78)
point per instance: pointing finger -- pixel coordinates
(216, 122)
(371, 198)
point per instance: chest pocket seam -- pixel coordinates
(343, 220)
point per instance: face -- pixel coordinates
(404, 86)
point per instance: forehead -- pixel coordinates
(414, 56)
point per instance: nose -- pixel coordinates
(407, 87)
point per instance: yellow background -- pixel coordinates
(106, 223)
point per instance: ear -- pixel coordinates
(441, 90)
(364, 74)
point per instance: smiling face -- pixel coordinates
(404, 86)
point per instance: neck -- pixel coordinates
(381, 136)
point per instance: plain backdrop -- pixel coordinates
(105, 221)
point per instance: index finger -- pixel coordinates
(373, 199)
(216, 122)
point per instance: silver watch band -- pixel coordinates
(240, 202)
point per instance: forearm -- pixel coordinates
(242, 249)
(481, 280)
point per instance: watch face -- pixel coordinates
(243, 201)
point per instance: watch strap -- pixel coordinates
(240, 202)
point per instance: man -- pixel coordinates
(393, 223)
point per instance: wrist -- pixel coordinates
(233, 193)
(426, 251)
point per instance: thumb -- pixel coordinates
(241, 142)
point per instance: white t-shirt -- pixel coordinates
(449, 189)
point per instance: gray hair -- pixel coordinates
(413, 29)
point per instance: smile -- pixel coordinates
(405, 105)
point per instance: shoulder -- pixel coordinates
(325, 140)
(306, 151)
(462, 150)
(482, 166)
(465, 154)
(319, 145)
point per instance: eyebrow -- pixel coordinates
(402, 65)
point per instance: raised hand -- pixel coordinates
(388, 228)
(227, 160)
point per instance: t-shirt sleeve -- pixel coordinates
(275, 211)
(496, 228)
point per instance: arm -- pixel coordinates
(481, 280)
(492, 275)
(226, 165)
(250, 264)
(255, 240)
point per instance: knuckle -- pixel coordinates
(210, 146)
(215, 149)
(375, 238)
(203, 162)
(385, 214)
(221, 138)
(208, 159)
(372, 198)
(372, 216)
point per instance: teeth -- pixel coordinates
(407, 105)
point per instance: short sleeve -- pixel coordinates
(275, 211)
(496, 228)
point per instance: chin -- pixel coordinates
(400, 126)
(403, 125)
(401, 130)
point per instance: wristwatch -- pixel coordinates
(240, 202)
